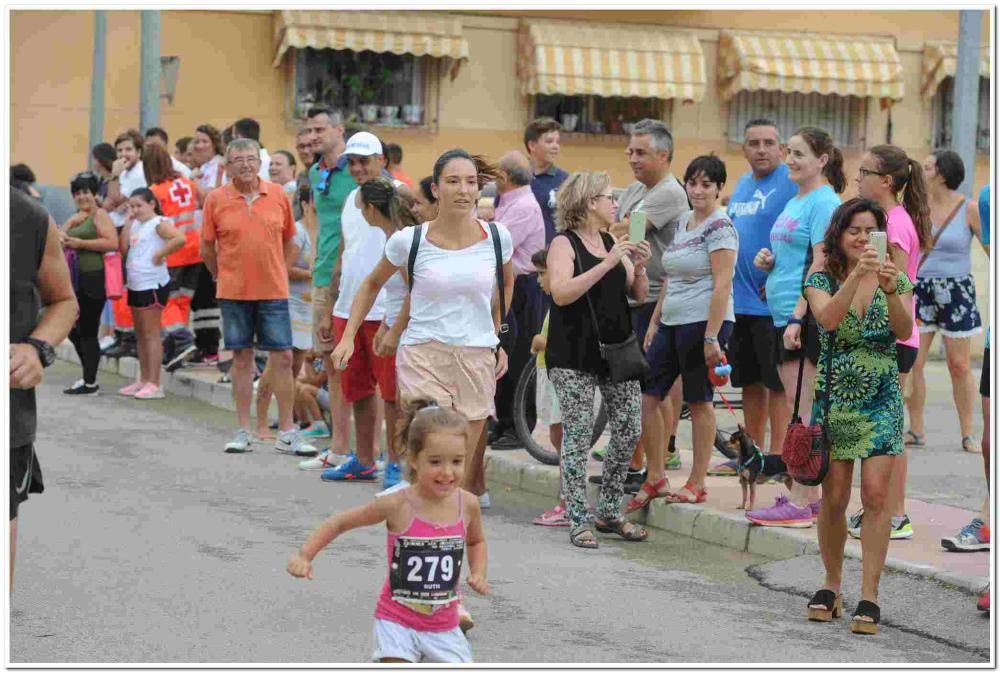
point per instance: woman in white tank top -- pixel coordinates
(146, 241)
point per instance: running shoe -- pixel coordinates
(316, 430)
(290, 442)
(131, 389)
(673, 461)
(84, 389)
(783, 513)
(351, 471)
(484, 501)
(973, 537)
(392, 476)
(598, 454)
(200, 359)
(150, 391)
(554, 518)
(726, 468)
(814, 508)
(854, 524)
(983, 603)
(633, 480)
(325, 460)
(901, 527)
(177, 361)
(240, 443)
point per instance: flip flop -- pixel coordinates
(910, 438)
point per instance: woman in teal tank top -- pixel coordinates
(91, 233)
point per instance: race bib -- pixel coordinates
(424, 571)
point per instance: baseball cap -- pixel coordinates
(363, 144)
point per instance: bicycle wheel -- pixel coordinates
(543, 452)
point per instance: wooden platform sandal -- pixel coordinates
(824, 606)
(866, 618)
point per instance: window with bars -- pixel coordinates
(599, 114)
(368, 87)
(843, 117)
(944, 103)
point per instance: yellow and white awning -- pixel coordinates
(417, 33)
(867, 67)
(573, 59)
(941, 60)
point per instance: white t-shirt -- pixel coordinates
(363, 245)
(143, 243)
(180, 167)
(395, 290)
(452, 295)
(130, 180)
(297, 289)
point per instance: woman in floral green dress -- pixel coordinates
(867, 305)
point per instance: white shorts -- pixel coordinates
(301, 316)
(396, 641)
(546, 402)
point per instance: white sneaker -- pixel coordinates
(291, 442)
(240, 443)
(324, 460)
(392, 489)
(484, 501)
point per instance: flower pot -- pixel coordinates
(413, 114)
(569, 122)
(389, 113)
(368, 113)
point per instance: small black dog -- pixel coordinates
(754, 466)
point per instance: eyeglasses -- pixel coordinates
(324, 184)
(864, 173)
(609, 197)
(244, 161)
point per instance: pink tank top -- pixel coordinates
(425, 564)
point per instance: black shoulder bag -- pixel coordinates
(626, 361)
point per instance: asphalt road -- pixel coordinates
(150, 545)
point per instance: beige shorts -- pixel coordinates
(460, 377)
(321, 307)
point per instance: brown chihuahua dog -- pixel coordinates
(753, 466)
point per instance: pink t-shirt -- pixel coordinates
(903, 233)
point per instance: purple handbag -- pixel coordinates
(73, 262)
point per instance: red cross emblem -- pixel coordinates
(180, 193)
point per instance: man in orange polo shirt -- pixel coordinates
(246, 234)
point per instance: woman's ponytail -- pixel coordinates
(834, 170)
(916, 203)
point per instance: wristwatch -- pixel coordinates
(711, 340)
(46, 353)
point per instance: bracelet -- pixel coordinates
(795, 321)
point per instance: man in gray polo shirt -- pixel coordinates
(660, 195)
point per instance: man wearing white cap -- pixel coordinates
(361, 248)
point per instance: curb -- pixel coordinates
(698, 522)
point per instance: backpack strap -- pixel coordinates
(414, 246)
(495, 233)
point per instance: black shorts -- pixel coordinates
(751, 353)
(641, 317)
(984, 380)
(811, 334)
(25, 476)
(149, 298)
(906, 356)
(679, 350)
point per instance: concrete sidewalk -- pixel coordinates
(718, 521)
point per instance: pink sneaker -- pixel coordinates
(150, 391)
(784, 513)
(131, 389)
(555, 518)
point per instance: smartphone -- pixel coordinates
(880, 240)
(637, 227)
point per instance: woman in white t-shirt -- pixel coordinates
(448, 352)
(147, 240)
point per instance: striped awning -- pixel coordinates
(798, 63)
(417, 33)
(606, 59)
(941, 60)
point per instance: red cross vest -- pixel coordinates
(178, 202)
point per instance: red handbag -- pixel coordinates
(114, 281)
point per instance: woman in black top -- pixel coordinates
(585, 261)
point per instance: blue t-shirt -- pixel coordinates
(544, 186)
(802, 224)
(753, 208)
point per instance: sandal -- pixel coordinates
(910, 438)
(582, 536)
(969, 445)
(660, 489)
(693, 496)
(866, 618)
(626, 530)
(824, 606)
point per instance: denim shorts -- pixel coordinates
(267, 320)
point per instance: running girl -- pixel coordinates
(146, 242)
(430, 526)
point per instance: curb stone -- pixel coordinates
(728, 530)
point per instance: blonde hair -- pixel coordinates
(574, 197)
